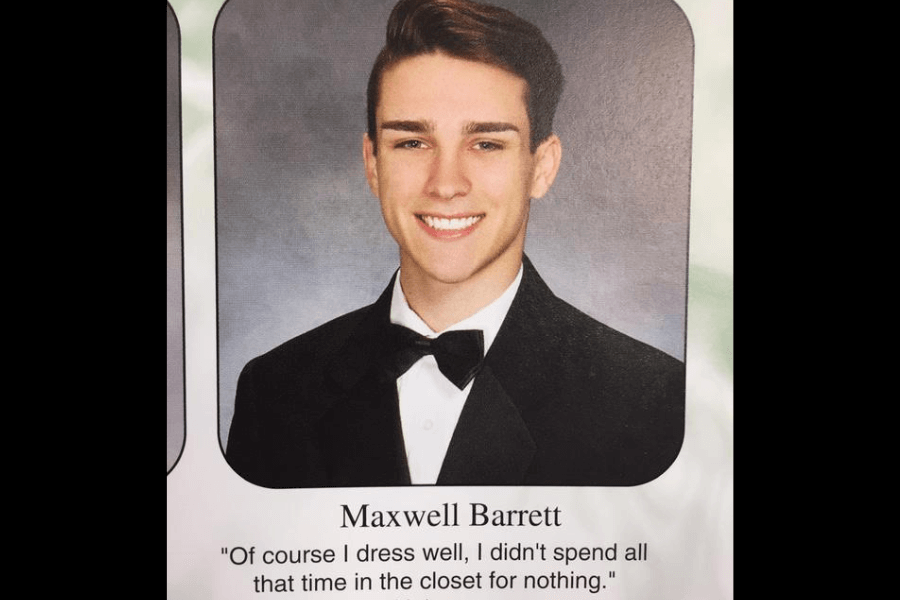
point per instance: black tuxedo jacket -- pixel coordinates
(561, 399)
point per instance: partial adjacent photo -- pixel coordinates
(175, 422)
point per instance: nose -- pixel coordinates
(447, 178)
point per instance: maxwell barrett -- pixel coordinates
(520, 388)
(448, 516)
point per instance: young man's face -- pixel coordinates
(453, 168)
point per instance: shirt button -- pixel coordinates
(427, 424)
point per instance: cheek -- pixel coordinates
(507, 183)
(494, 177)
(399, 184)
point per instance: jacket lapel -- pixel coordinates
(361, 437)
(491, 444)
(360, 434)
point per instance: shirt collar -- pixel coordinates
(488, 319)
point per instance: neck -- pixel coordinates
(442, 304)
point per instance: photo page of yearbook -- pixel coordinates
(449, 299)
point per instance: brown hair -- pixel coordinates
(477, 32)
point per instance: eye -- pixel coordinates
(488, 146)
(410, 144)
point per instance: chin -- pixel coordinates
(461, 270)
(461, 267)
(450, 275)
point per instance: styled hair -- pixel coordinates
(476, 32)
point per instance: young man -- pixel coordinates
(467, 370)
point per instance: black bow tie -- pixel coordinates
(458, 353)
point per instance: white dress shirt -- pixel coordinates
(430, 404)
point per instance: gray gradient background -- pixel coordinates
(300, 238)
(175, 425)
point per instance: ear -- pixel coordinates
(546, 164)
(371, 163)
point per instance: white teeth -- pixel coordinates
(449, 224)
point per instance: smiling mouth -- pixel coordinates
(450, 224)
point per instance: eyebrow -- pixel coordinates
(469, 129)
(410, 126)
(489, 127)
